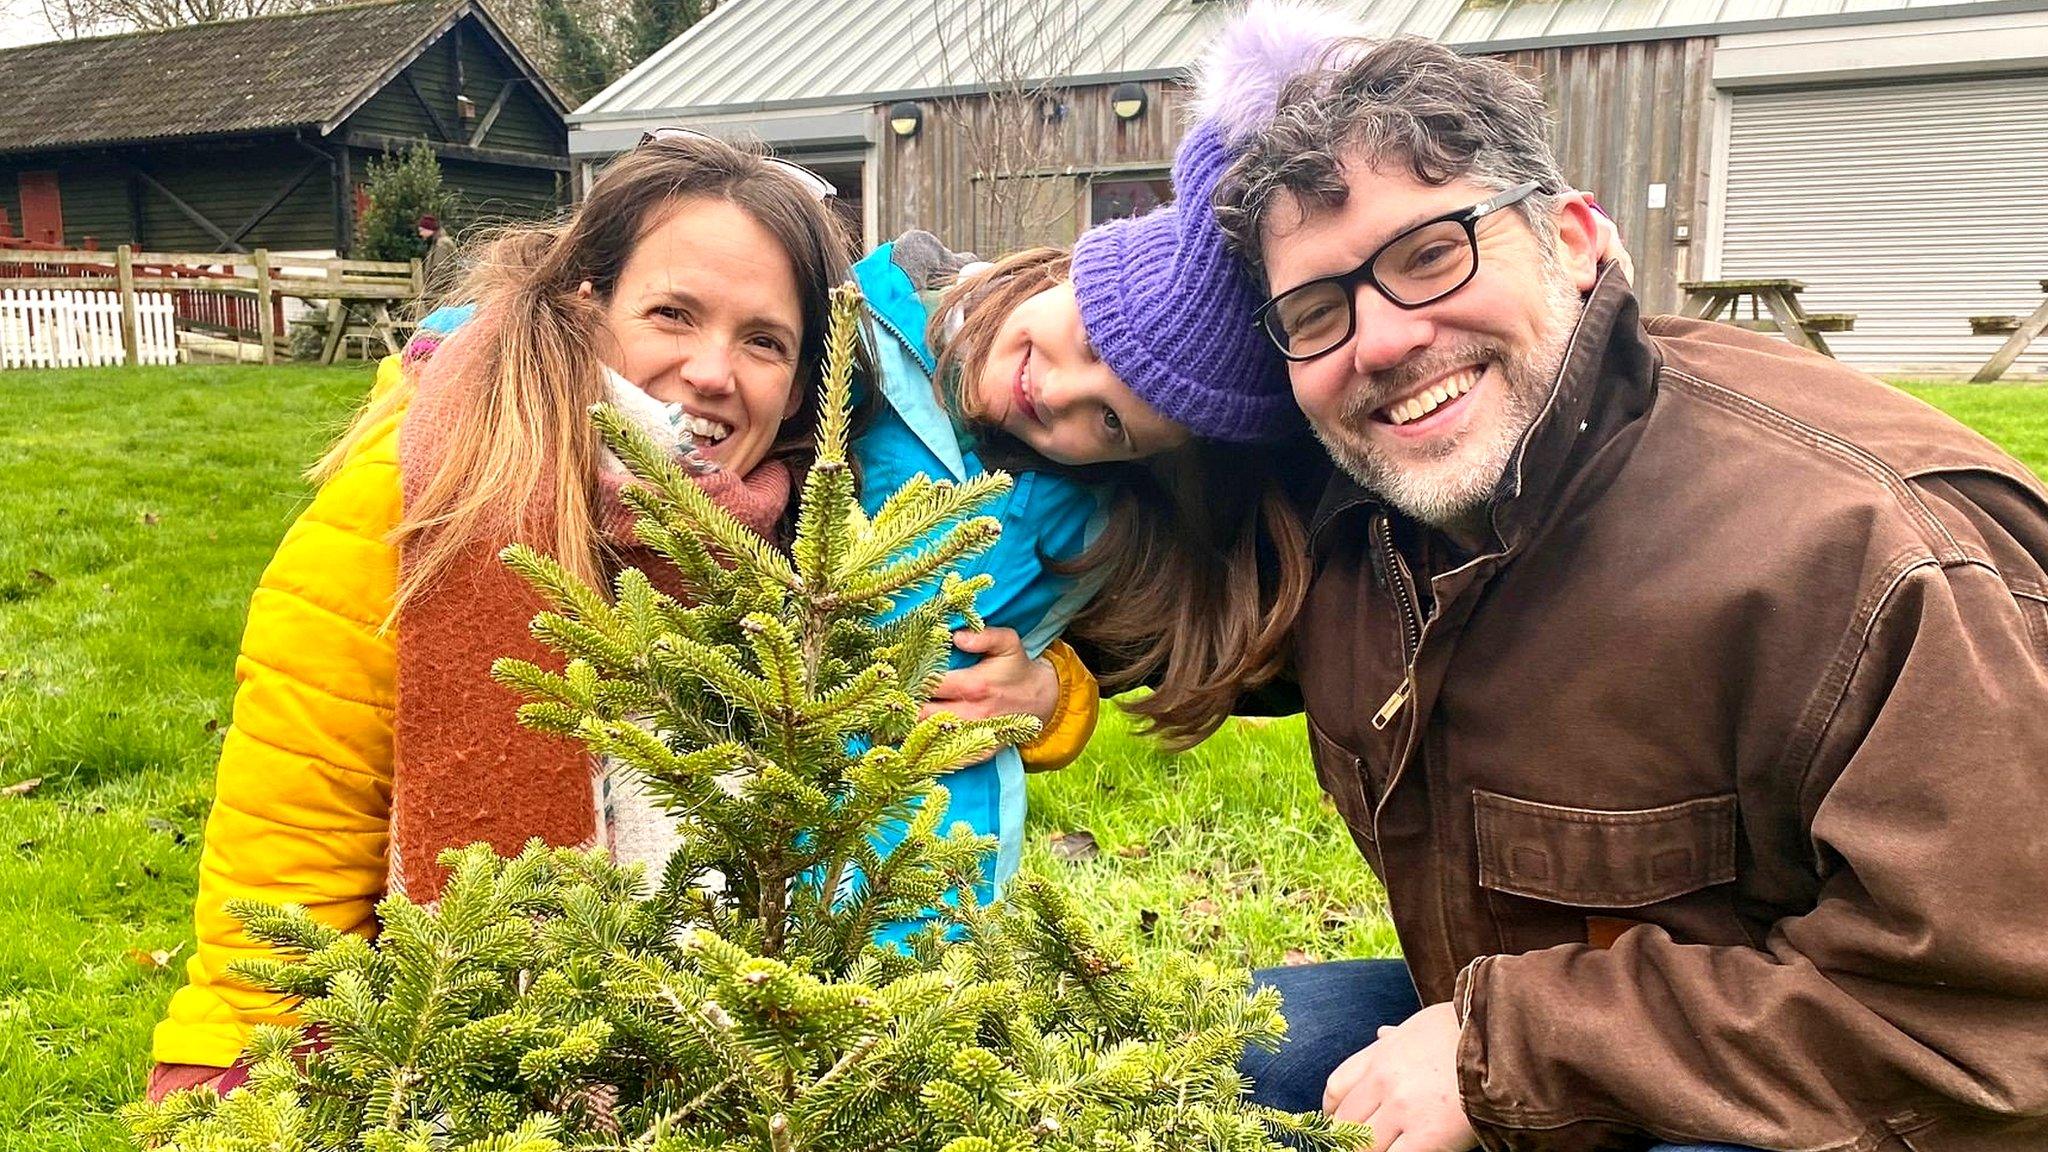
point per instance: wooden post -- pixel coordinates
(131, 336)
(337, 317)
(266, 321)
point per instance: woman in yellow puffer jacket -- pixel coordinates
(367, 734)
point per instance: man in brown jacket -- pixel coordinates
(1688, 692)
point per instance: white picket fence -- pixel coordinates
(45, 328)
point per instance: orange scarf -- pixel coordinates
(464, 769)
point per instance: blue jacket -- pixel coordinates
(1045, 517)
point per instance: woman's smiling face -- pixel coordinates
(706, 314)
(1042, 382)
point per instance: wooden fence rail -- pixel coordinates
(201, 297)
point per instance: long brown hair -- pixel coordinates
(1202, 561)
(522, 458)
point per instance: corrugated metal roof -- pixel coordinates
(751, 55)
(754, 53)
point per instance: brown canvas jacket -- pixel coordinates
(1716, 793)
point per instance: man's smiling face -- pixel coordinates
(1425, 406)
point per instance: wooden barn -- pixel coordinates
(1885, 152)
(256, 133)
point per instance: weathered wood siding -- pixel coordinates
(526, 123)
(1628, 116)
(931, 181)
(488, 194)
(227, 182)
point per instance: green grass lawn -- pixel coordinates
(136, 510)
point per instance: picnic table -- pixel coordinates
(1708, 299)
(365, 320)
(363, 300)
(2023, 333)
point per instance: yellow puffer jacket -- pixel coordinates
(302, 798)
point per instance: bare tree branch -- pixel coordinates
(71, 19)
(1016, 52)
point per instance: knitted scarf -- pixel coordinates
(464, 769)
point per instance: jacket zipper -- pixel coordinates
(889, 326)
(1411, 626)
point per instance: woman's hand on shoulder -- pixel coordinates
(1005, 681)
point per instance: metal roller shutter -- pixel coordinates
(1913, 205)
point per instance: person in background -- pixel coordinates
(439, 264)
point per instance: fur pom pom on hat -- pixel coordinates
(1165, 302)
(1238, 80)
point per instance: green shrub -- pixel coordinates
(401, 189)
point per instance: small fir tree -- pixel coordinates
(400, 189)
(547, 1003)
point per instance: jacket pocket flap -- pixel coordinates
(1342, 775)
(1604, 859)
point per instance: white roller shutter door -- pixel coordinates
(1913, 205)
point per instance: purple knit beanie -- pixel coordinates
(1165, 302)
(1169, 309)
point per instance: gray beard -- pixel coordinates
(1450, 496)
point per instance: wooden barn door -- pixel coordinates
(42, 209)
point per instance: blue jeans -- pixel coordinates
(1332, 1011)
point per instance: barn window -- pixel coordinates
(1115, 196)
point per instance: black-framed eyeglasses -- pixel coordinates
(1420, 266)
(813, 183)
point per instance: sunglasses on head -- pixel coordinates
(813, 183)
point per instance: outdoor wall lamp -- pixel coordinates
(1128, 101)
(905, 118)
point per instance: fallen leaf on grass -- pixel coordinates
(1134, 851)
(1147, 921)
(149, 519)
(1204, 906)
(42, 577)
(1075, 847)
(212, 726)
(1295, 958)
(159, 824)
(22, 787)
(155, 959)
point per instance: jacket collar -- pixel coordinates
(1603, 385)
(903, 361)
(892, 297)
